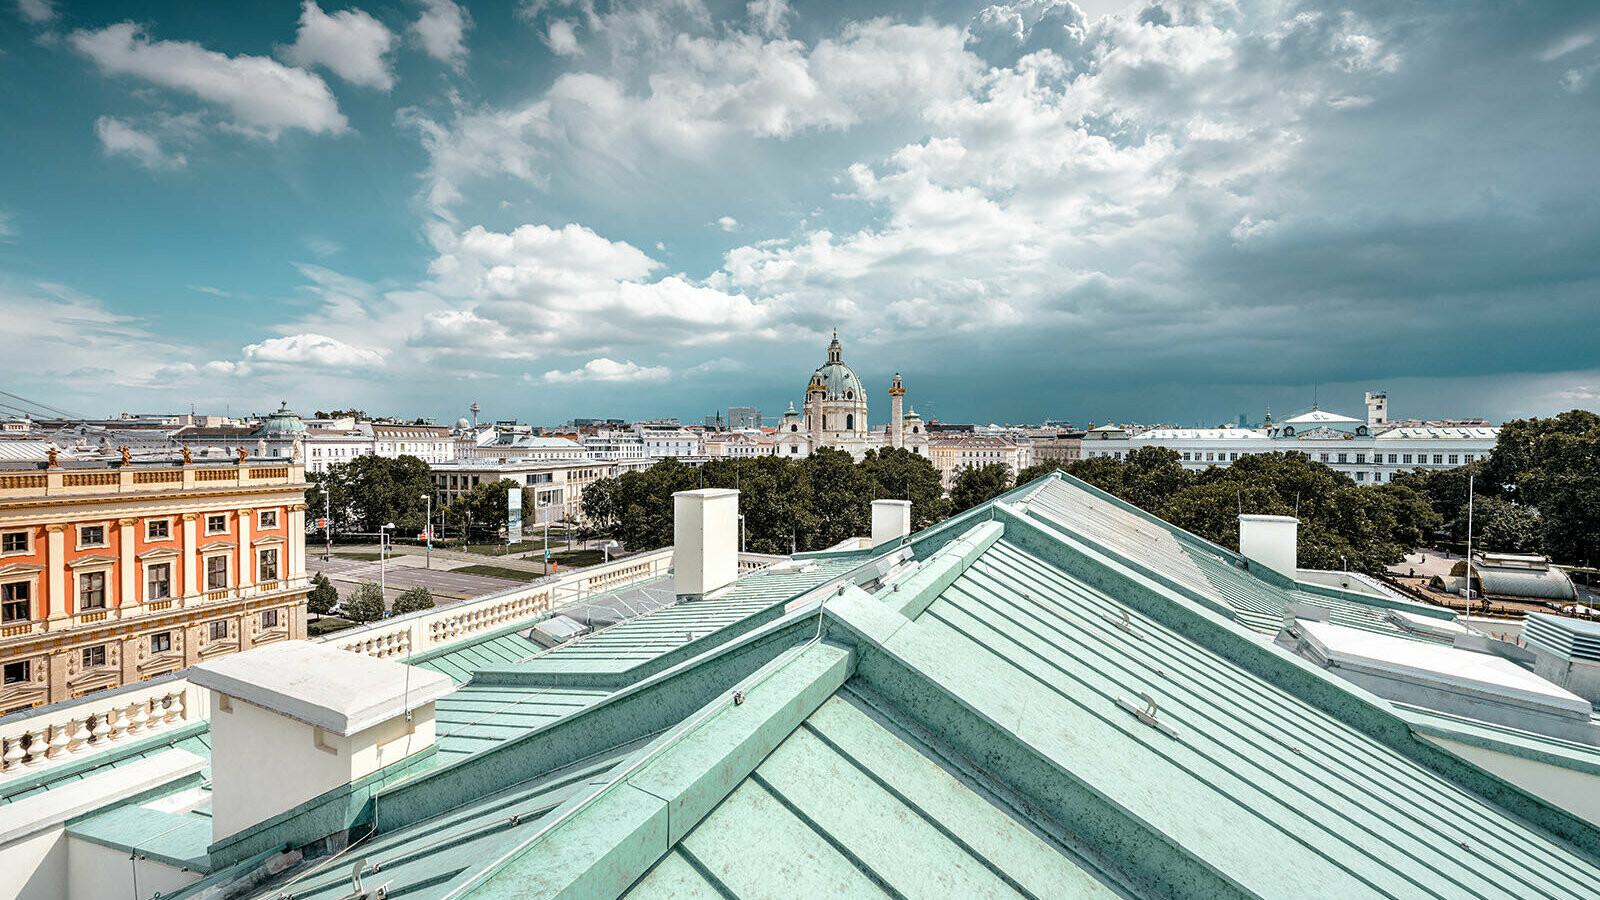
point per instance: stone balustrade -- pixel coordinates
(142, 479)
(421, 632)
(54, 734)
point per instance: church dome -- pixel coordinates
(282, 422)
(837, 380)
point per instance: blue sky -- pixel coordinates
(1142, 212)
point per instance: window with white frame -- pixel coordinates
(158, 581)
(16, 601)
(91, 536)
(219, 630)
(161, 642)
(94, 657)
(269, 618)
(267, 564)
(217, 523)
(158, 530)
(267, 518)
(216, 572)
(14, 542)
(92, 590)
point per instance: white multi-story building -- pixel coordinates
(556, 485)
(1370, 452)
(614, 445)
(429, 443)
(661, 442)
(740, 444)
(952, 454)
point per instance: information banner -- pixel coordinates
(514, 515)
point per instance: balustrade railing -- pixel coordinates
(55, 734)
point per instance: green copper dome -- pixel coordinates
(837, 380)
(281, 422)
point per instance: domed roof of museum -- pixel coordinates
(282, 422)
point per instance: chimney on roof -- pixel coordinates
(891, 520)
(293, 720)
(1270, 541)
(705, 540)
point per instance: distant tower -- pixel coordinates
(897, 425)
(475, 409)
(1377, 408)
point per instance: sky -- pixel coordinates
(1152, 212)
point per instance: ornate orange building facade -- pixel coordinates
(111, 575)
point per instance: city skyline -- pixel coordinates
(1133, 213)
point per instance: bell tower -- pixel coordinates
(897, 425)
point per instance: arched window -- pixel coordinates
(849, 395)
(794, 427)
(850, 423)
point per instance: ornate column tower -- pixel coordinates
(897, 394)
(815, 392)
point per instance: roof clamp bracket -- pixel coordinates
(1126, 624)
(1147, 714)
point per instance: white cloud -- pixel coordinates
(604, 369)
(117, 136)
(311, 350)
(75, 344)
(441, 30)
(561, 36)
(768, 16)
(37, 12)
(728, 223)
(263, 97)
(8, 226)
(350, 43)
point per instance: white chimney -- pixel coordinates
(293, 720)
(705, 538)
(1271, 541)
(891, 520)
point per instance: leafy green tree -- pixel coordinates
(365, 603)
(1553, 466)
(369, 492)
(978, 484)
(899, 474)
(413, 600)
(322, 596)
(1504, 527)
(841, 497)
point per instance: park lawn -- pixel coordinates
(498, 572)
(327, 625)
(356, 555)
(577, 558)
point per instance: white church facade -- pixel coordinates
(834, 415)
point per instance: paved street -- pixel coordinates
(403, 573)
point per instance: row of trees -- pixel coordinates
(788, 504)
(1538, 491)
(1341, 523)
(365, 603)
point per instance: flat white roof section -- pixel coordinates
(1420, 624)
(1429, 665)
(335, 690)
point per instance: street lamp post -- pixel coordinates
(383, 563)
(427, 530)
(742, 547)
